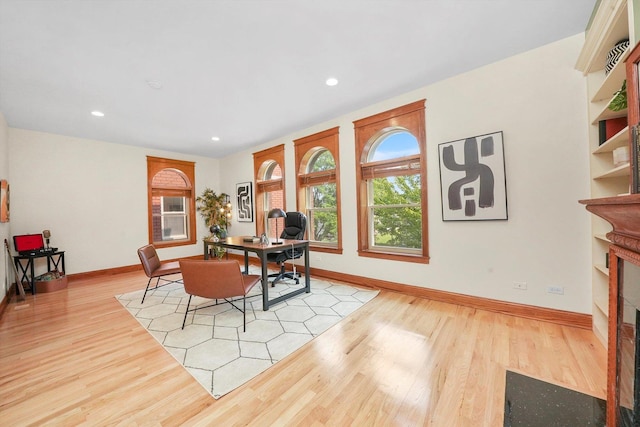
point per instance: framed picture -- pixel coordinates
(472, 179)
(244, 201)
(4, 201)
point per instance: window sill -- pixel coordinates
(421, 259)
(170, 244)
(327, 249)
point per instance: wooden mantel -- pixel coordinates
(623, 213)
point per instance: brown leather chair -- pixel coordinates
(155, 269)
(217, 280)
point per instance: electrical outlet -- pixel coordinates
(520, 285)
(558, 290)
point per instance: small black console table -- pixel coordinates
(25, 265)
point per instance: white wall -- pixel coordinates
(538, 100)
(5, 230)
(92, 195)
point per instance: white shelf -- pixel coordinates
(613, 82)
(602, 269)
(609, 25)
(620, 139)
(618, 171)
(603, 305)
(607, 114)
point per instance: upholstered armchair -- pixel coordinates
(217, 279)
(156, 269)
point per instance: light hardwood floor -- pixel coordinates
(76, 357)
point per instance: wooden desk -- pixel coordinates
(262, 251)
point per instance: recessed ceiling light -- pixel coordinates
(97, 113)
(332, 81)
(155, 84)
(215, 138)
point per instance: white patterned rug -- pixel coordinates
(212, 346)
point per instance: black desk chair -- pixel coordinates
(295, 226)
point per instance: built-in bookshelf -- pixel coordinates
(611, 23)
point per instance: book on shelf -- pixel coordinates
(252, 239)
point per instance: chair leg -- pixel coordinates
(146, 290)
(244, 313)
(186, 312)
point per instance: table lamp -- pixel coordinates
(47, 235)
(277, 213)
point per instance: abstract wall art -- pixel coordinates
(472, 179)
(244, 195)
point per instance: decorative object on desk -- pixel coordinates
(217, 233)
(614, 55)
(277, 213)
(244, 201)
(232, 357)
(47, 235)
(4, 201)
(214, 208)
(619, 101)
(264, 240)
(473, 179)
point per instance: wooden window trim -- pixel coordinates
(155, 165)
(412, 118)
(304, 149)
(261, 159)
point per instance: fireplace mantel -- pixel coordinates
(623, 213)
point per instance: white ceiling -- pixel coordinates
(246, 71)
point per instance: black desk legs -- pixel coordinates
(265, 281)
(24, 271)
(307, 276)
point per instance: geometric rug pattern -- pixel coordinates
(212, 346)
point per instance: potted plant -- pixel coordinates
(216, 211)
(619, 101)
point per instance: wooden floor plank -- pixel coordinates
(76, 357)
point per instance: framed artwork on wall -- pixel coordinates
(472, 179)
(4, 201)
(244, 199)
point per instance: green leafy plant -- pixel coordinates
(619, 101)
(215, 210)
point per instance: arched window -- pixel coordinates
(171, 203)
(392, 202)
(318, 189)
(270, 194)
